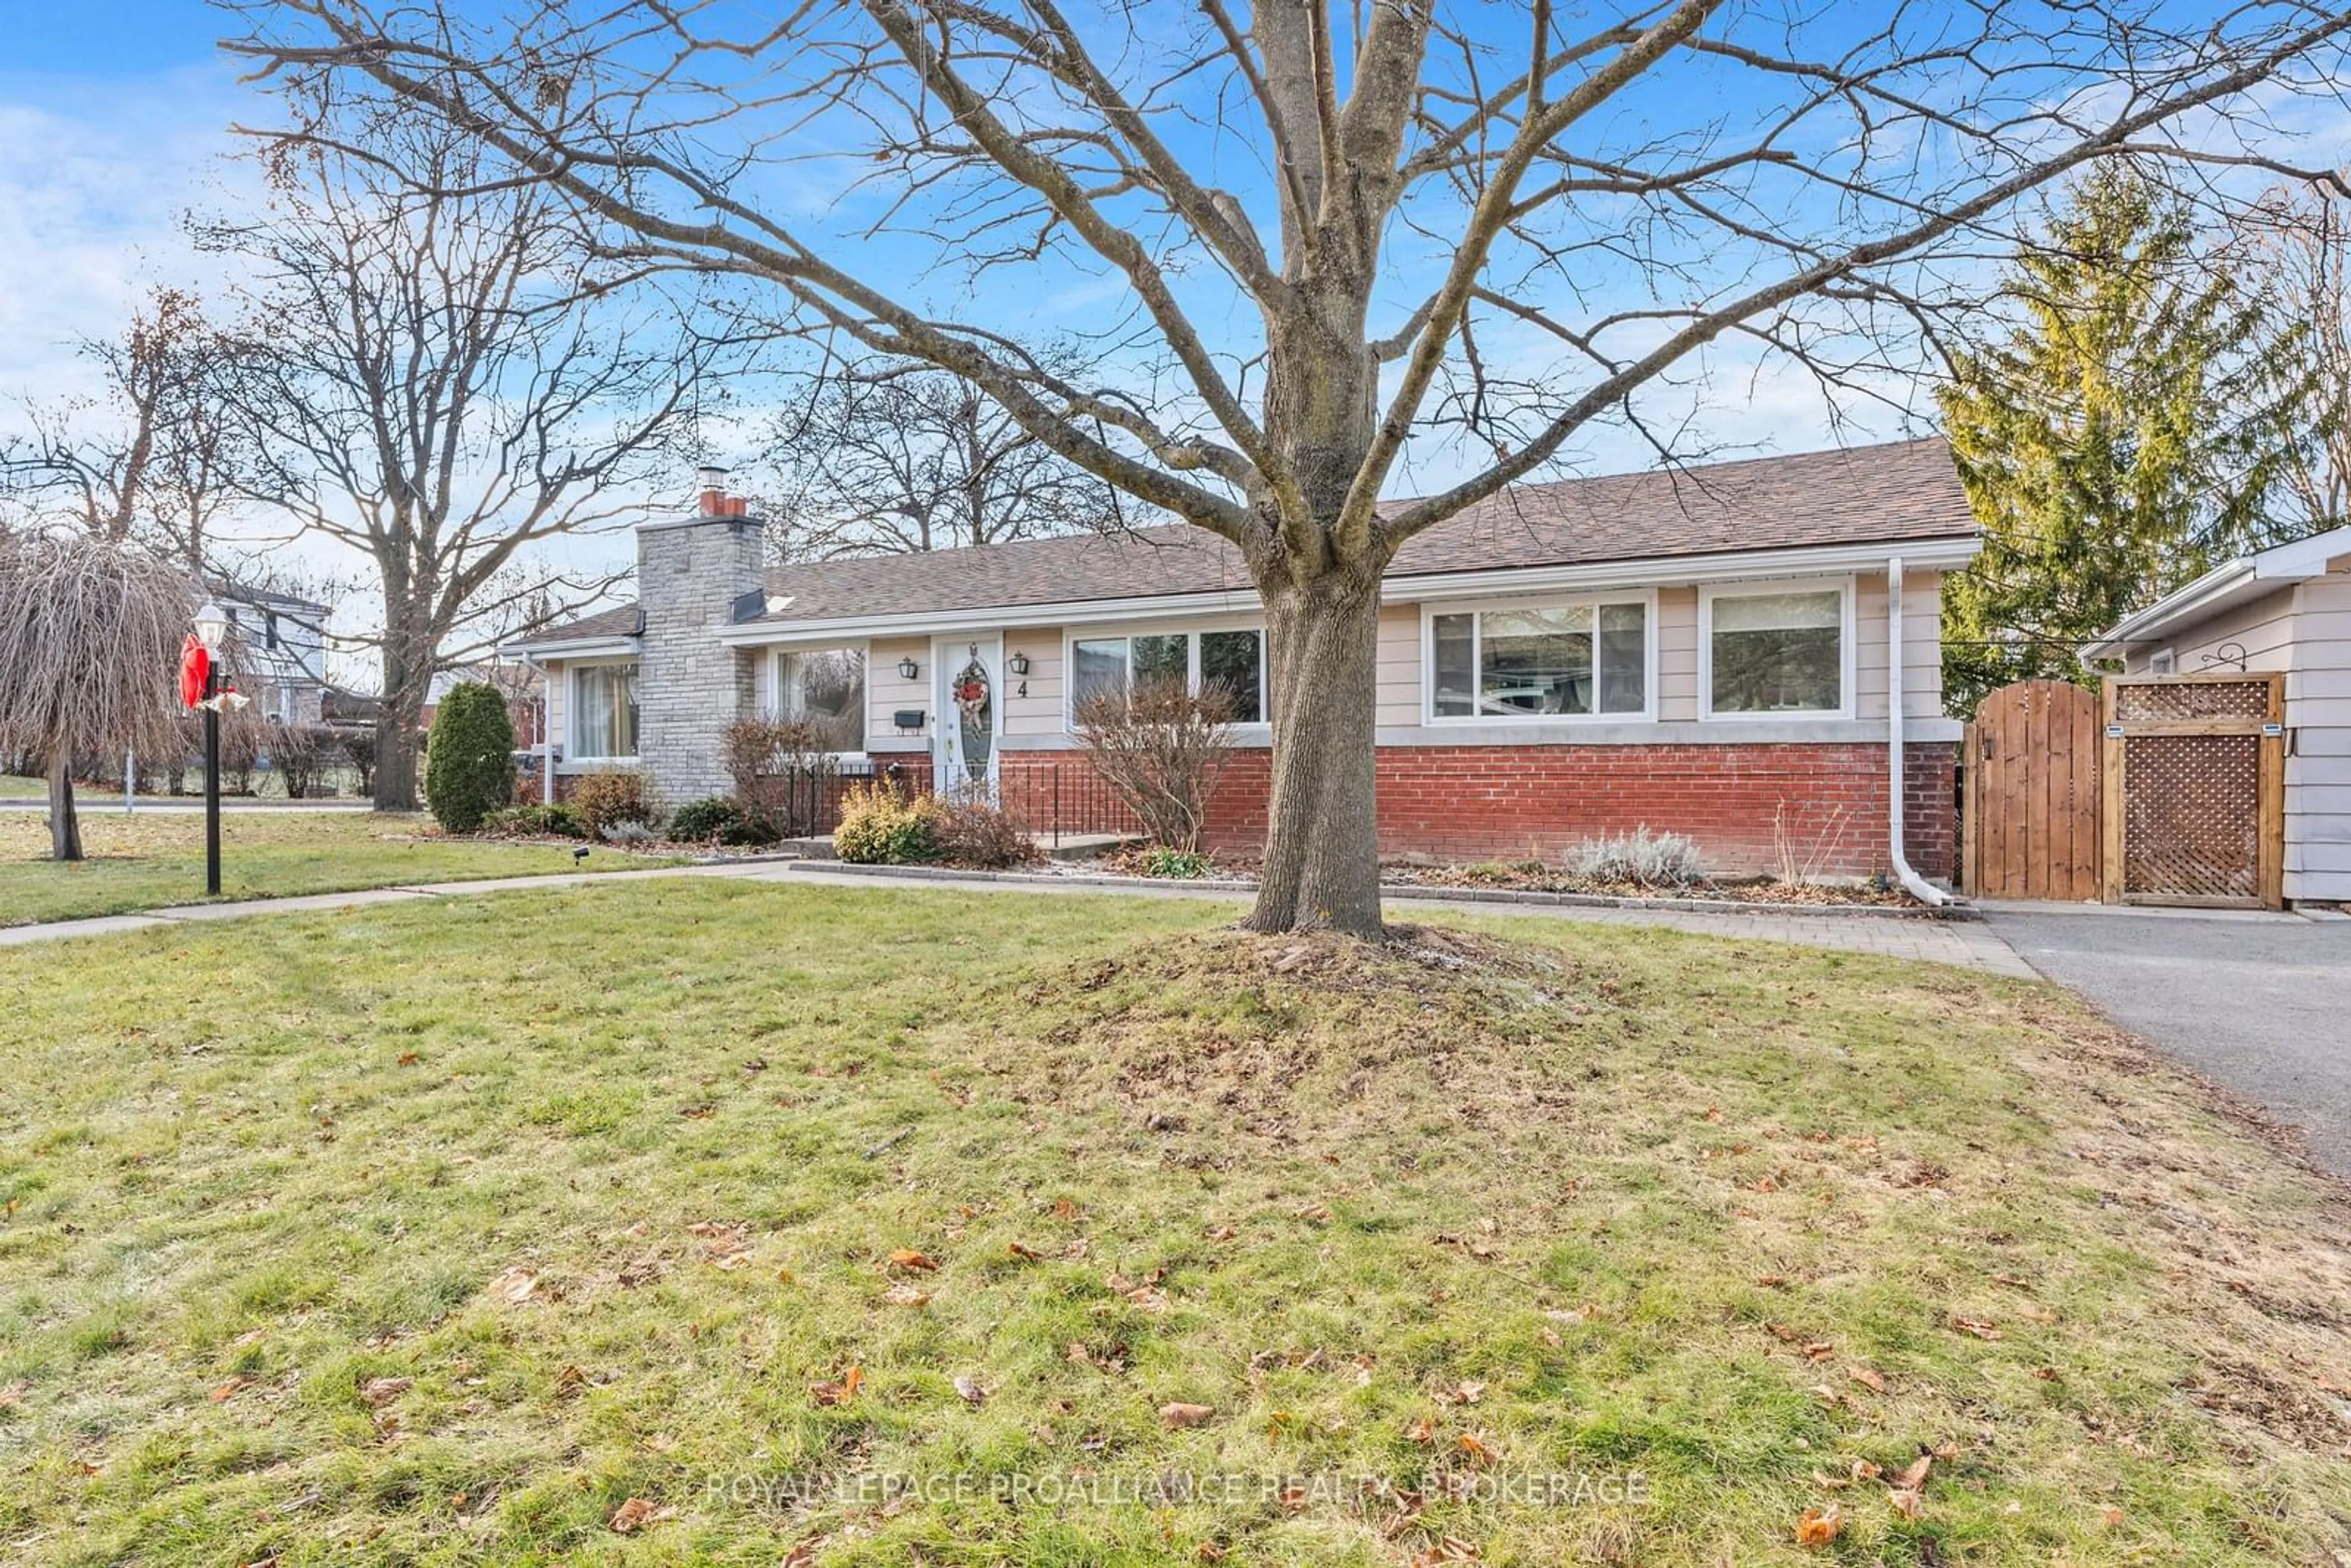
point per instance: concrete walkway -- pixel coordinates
(1967, 944)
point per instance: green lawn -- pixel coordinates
(16, 786)
(155, 857)
(438, 1235)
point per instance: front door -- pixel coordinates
(970, 710)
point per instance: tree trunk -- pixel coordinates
(1322, 846)
(395, 753)
(65, 824)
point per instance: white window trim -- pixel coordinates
(571, 673)
(1848, 634)
(1194, 630)
(1646, 714)
(2163, 662)
(771, 688)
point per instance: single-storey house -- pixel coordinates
(2285, 609)
(1748, 652)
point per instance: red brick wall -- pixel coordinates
(1495, 802)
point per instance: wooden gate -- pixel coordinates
(2030, 816)
(2195, 790)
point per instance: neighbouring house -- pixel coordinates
(1710, 651)
(517, 682)
(282, 664)
(2281, 610)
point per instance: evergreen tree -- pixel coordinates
(469, 768)
(2127, 434)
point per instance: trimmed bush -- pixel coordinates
(719, 820)
(606, 799)
(469, 768)
(881, 824)
(535, 821)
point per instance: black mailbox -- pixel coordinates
(909, 717)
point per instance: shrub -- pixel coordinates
(303, 754)
(1160, 747)
(1641, 858)
(717, 819)
(603, 800)
(881, 824)
(782, 769)
(1181, 865)
(469, 768)
(535, 821)
(625, 833)
(983, 836)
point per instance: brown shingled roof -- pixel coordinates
(1899, 492)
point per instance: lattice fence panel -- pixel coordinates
(2190, 814)
(2162, 704)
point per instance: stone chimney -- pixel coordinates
(692, 576)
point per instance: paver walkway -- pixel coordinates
(1967, 945)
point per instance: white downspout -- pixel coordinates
(1917, 886)
(546, 730)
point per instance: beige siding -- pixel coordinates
(1677, 653)
(1922, 647)
(1399, 665)
(1039, 710)
(2318, 716)
(2264, 628)
(886, 691)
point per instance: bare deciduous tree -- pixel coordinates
(441, 392)
(2299, 261)
(159, 454)
(883, 459)
(90, 630)
(1331, 237)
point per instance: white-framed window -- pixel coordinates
(2163, 662)
(826, 687)
(602, 724)
(1776, 650)
(1230, 657)
(1553, 660)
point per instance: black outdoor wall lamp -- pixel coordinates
(908, 670)
(1018, 663)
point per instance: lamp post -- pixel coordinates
(211, 630)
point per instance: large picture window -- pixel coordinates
(826, 688)
(1234, 660)
(1776, 651)
(1551, 662)
(603, 725)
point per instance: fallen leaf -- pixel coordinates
(408, 1058)
(1421, 1430)
(1975, 1326)
(227, 1390)
(1027, 1254)
(1819, 1350)
(842, 1392)
(971, 1392)
(635, 1514)
(1315, 1213)
(1178, 1416)
(907, 1258)
(1221, 1233)
(383, 1390)
(1863, 1470)
(1913, 1476)
(1905, 1501)
(1209, 1551)
(1867, 1378)
(908, 1296)
(1064, 1209)
(1818, 1527)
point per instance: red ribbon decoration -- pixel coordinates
(196, 671)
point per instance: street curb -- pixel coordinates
(1421, 893)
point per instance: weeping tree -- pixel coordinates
(90, 630)
(1324, 254)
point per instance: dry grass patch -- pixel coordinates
(710, 1223)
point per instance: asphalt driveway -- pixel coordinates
(2261, 1004)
